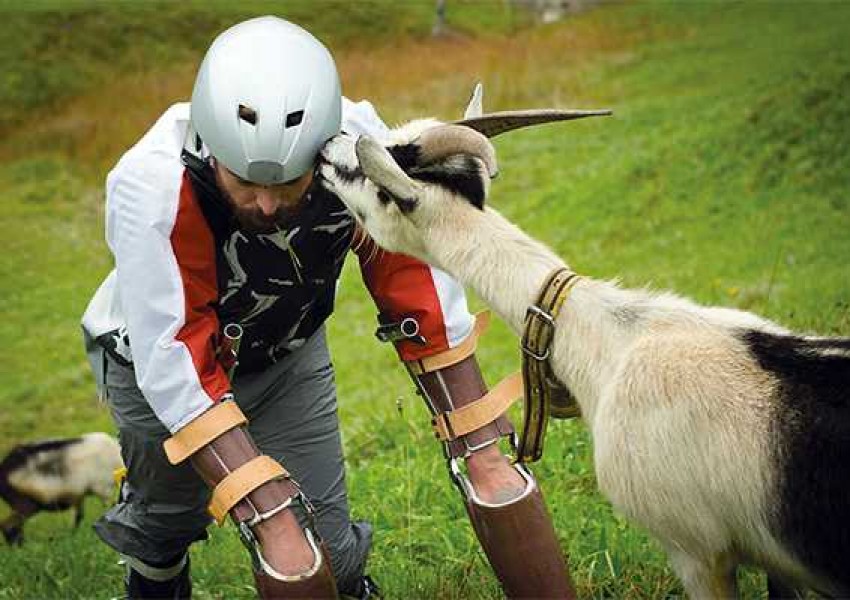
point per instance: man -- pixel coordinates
(216, 221)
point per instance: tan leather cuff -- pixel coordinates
(479, 413)
(241, 482)
(465, 386)
(222, 417)
(247, 495)
(454, 355)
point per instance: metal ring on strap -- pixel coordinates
(451, 425)
(453, 355)
(219, 419)
(241, 482)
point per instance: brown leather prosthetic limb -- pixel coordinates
(517, 536)
(251, 499)
(454, 387)
(521, 545)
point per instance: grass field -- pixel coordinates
(724, 175)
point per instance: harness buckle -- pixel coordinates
(531, 312)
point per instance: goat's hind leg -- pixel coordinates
(705, 579)
(79, 512)
(13, 529)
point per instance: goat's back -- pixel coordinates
(56, 473)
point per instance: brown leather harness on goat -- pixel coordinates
(544, 395)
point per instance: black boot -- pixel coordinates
(364, 588)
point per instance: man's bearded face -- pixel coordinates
(261, 208)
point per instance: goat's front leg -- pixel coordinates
(705, 579)
(79, 512)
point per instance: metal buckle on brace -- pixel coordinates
(405, 330)
(531, 312)
(249, 538)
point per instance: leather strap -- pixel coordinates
(452, 425)
(453, 355)
(542, 389)
(241, 482)
(222, 417)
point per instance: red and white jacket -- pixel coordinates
(183, 270)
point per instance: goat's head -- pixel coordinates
(425, 174)
(397, 190)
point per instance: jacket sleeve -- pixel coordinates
(403, 287)
(165, 264)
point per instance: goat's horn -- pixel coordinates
(492, 124)
(475, 107)
(445, 140)
(379, 166)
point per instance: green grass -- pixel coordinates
(723, 175)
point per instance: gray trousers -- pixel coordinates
(292, 413)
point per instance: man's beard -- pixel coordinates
(252, 220)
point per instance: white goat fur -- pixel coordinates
(677, 407)
(88, 466)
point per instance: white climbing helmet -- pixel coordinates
(267, 96)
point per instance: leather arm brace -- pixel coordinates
(465, 416)
(455, 387)
(252, 488)
(248, 485)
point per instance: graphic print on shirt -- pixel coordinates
(117, 344)
(280, 286)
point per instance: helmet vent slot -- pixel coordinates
(247, 114)
(294, 118)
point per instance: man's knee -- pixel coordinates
(154, 533)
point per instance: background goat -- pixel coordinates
(55, 475)
(723, 434)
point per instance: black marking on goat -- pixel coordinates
(19, 455)
(17, 458)
(407, 156)
(348, 175)
(405, 205)
(811, 441)
(460, 174)
(52, 465)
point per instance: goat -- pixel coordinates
(54, 475)
(723, 434)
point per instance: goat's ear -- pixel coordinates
(378, 165)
